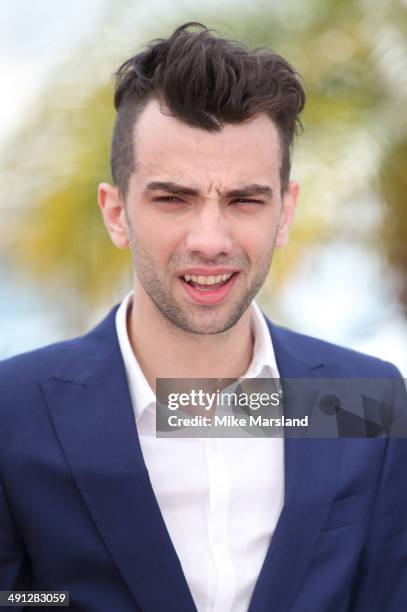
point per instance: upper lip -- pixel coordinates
(207, 271)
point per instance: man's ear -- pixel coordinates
(114, 214)
(289, 201)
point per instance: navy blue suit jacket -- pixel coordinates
(78, 512)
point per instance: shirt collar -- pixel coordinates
(263, 362)
(263, 359)
(141, 393)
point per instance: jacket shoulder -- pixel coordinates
(36, 363)
(21, 399)
(42, 363)
(348, 361)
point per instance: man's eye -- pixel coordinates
(243, 201)
(167, 199)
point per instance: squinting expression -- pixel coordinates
(204, 211)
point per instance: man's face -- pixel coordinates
(202, 215)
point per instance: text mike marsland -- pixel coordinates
(234, 421)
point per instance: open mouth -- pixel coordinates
(207, 283)
(208, 289)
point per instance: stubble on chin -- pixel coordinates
(197, 319)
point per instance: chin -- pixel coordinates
(209, 325)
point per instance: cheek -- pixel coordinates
(160, 238)
(258, 242)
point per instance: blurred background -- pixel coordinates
(343, 277)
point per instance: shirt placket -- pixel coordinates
(222, 578)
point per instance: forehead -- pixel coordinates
(170, 148)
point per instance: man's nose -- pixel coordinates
(209, 234)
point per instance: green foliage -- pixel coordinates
(63, 237)
(393, 236)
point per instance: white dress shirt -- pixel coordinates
(220, 498)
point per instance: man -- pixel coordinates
(91, 501)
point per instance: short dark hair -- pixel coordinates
(205, 81)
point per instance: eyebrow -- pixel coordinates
(242, 191)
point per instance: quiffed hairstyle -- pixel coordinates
(205, 81)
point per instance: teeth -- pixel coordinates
(207, 280)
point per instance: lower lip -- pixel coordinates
(210, 296)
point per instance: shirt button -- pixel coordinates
(214, 445)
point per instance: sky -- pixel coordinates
(325, 300)
(35, 37)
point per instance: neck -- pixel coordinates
(165, 351)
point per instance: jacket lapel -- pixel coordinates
(310, 477)
(90, 406)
